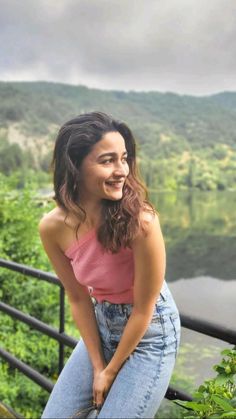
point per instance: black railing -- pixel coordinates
(189, 322)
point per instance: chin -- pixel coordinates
(117, 197)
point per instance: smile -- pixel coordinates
(115, 184)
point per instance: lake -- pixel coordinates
(199, 229)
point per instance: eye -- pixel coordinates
(107, 161)
(124, 159)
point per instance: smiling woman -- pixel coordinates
(105, 243)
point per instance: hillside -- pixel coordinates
(38, 106)
(166, 125)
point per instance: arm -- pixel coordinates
(79, 298)
(150, 263)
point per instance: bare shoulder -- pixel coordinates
(51, 223)
(150, 222)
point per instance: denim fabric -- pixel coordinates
(141, 383)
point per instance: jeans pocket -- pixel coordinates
(159, 306)
(155, 315)
(162, 298)
(177, 328)
(172, 331)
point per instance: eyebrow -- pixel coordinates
(111, 154)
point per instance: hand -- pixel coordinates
(101, 385)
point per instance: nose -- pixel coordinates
(121, 169)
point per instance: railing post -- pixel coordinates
(61, 328)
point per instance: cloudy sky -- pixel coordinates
(183, 46)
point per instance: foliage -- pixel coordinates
(216, 398)
(20, 211)
(14, 158)
(20, 393)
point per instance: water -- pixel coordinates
(200, 233)
(199, 229)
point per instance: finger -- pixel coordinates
(99, 398)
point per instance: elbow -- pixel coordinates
(76, 298)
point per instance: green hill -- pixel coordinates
(190, 132)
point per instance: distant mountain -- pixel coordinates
(166, 125)
(36, 107)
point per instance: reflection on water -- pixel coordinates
(199, 229)
(200, 233)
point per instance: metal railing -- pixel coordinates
(189, 322)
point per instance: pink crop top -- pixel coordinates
(108, 276)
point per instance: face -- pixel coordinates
(104, 170)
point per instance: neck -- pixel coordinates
(93, 213)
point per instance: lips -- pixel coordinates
(116, 183)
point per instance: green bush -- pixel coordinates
(20, 212)
(216, 398)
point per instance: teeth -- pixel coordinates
(114, 183)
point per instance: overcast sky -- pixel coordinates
(183, 46)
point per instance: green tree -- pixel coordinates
(11, 158)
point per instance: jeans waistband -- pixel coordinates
(108, 303)
(105, 303)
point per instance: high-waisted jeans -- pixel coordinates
(141, 383)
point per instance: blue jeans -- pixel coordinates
(141, 383)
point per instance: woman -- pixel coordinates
(105, 243)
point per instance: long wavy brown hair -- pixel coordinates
(121, 219)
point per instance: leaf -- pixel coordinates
(200, 407)
(233, 401)
(198, 395)
(222, 364)
(222, 403)
(231, 414)
(180, 402)
(202, 388)
(223, 378)
(226, 352)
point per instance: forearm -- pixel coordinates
(132, 334)
(85, 319)
(149, 262)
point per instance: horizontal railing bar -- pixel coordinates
(45, 383)
(26, 270)
(189, 322)
(173, 394)
(202, 326)
(27, 370)
(38, 324)
(197, 325)
(208, 328)
(6, 410)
